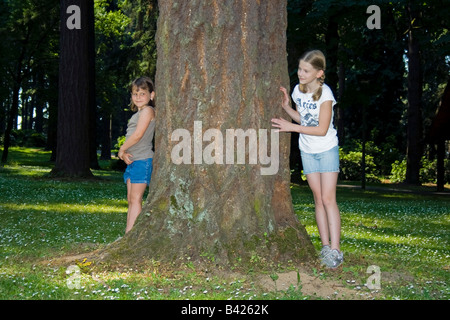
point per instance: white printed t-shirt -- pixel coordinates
(309, 115)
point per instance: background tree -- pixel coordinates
(372, 70)
(415, 82)
(24, 56)
(365, 67)
(76, 91)
(368, 69)
(113, 51)
(125, 49)
(143, 15)
(221, 64)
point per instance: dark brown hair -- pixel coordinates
(144, 83)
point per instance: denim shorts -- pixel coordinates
(139, 171)
(327, 161)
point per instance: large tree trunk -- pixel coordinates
(72, 156)
(220, 66)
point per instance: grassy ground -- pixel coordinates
(404, 234)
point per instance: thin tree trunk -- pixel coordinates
(414, 130)
(92, 104)
(10, 124)
(52, 120)
(340, 115)
(106, 124)
(12, 117)
(39, 103)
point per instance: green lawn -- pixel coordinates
(405, 234)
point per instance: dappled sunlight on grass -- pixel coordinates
(35, 232)
(403, 226)
(28, 171)
(92, 208)
(406, 235)
(40, 214)
(28, 157)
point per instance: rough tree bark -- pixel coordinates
(220, 65)
(75, 92)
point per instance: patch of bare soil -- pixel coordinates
(89, 252)
(312, 286)
(67, 260)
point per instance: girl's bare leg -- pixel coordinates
(314, 182)
(323, 186)
(328, 185)
(135, 192)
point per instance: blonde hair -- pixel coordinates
(317, 59)
(144, 83)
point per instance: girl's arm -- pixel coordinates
(286, 104)
(321, 130)
(145, 117)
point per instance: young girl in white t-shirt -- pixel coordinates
(319, 148)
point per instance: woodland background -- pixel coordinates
(389, 82)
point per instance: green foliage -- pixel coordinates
(109, 23)
(372, 62)
(428, 171)
(120, 142)
(379, 158)
(398, 173)
(124, 46)
(28, 138)
(351, 166)
(143, 15)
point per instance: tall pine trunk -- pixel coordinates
(74, 99)
(220, 65)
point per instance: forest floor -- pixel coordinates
(49, 226)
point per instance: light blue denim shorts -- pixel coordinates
(327, 161)
(139, 171)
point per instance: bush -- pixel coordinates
(119, 165)
(383, 155)
(398, 172)
(36, 140)
(28, 138)
(351, 166)
(120, 142)
(428, 171)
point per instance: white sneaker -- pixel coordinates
(333, 259)
(324, 252)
